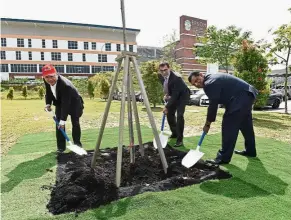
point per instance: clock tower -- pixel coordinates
(190, 28)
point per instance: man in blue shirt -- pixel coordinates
(238, 97)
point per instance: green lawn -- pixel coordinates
(260, 188)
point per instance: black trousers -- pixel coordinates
(232, 123)
(76, 130)
(177, 124)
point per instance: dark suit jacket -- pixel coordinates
(177, 88)
(68, 98)
(222, 88)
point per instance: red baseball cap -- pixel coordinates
(48, 69)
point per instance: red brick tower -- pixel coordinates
(190, 28)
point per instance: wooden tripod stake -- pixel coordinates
(127, 88)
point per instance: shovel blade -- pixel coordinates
(163, 139)
(77, 149)
(191, 158)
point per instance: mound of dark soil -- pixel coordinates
(79, 187)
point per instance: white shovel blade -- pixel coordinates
(77, 149)
(163, 139)
(192, 157)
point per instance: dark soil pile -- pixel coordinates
(78, 187)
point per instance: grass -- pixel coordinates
(260, 188)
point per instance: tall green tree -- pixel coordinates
(252, 66)
(151, 81)
(280, 51)
(220, 45)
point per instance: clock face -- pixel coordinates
(187, 25)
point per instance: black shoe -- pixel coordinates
(244, 153)
(60, 151)
(179, 144)
(173, 136)
(216, 161)
(79, 145)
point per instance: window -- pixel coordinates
(118, 47)
(78, 69)
(102, 58)
(108, 46)
(86, 46)
(70, 57)
(95, 69)
(26, 68)
(4, 68)
(43, 43)
(56, 56)
(108, 68)
(84, 57)
(42, 55)
(59, 68)
(29, 55)
(29, 43)
(131, 48)
(20, 42)
(72, 45)
(93, 45)
(18, 55)
(3, 55)
(3, 42)
(55, 44)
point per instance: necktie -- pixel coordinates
(166, 86)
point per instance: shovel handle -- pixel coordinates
(62, 130)
(163, 122)
(201, 138)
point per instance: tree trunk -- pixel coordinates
(286, 91)
(286, 82)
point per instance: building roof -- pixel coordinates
(66, 23)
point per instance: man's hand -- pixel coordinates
(165, 111)
(61, 124)
(48, 108)
(206, 127)
(166, 97)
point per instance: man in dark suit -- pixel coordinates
(61, 92)
(238, 97)
(177, 96)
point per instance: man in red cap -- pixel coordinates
(62, 93)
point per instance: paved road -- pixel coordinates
(281, 109)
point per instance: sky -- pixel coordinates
(156, 18)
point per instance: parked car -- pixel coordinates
(195, 99)
(116, 95)
(281, 88)
(275, 99)
(193, 91)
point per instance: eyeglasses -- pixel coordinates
(165, 70)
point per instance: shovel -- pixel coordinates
(72, 147)
(163, 137)
(193, 156)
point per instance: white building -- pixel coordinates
(75, 49)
